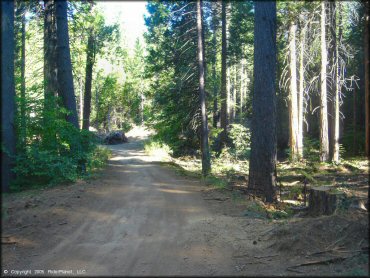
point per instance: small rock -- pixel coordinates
(254, 242)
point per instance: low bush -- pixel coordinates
(62, 155)
(158, 149)
(240, 141)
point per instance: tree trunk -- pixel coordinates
(223, 75)
(354, 121)
(214, 76)
(228, 93)
(109, 118)
(241, 90)
(234, 106)
(262, 174)
(333, 89)
(88, 82)
(65, 78)
(23, 82)
(8, 136)
(324, 139)
(81, 100)
(142, 99)
(50, 57)
(245, 82)
(323, 200)
(206, 161)
(301, 92)
(367, 77)
(336, 123)
(293, 111)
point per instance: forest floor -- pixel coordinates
(139, 217)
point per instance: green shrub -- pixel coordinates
(240, 139)
(98, 157)
(311, 149)
(59, 153)
(158, 149)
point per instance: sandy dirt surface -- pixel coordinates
(141, 218)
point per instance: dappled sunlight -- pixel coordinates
(139, 133)
(175, 191)
(159, 155)
(18, 241)
(191, 209)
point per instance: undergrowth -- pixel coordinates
(68, 155)
(231, 167)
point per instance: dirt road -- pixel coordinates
(138, 218)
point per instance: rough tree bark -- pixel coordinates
(20, 63)
(301, 91)
(336, 122)
(88, 81)
(23, 81)
(234, 105)
(324, 139)
(65, 78)
(8, 137)
(293, 103)
(214, 56)
(262, 174)
(323, 200)
(50, 57)
(333, 88)
(367, 77)
(241, 89)
(354, 105)
(206, 161)
(80, 102)
(228, 95)
(223, 117)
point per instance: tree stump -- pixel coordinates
(323, 200)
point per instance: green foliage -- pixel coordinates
(241, 30)
(171, 66)
(157, 149)
(311, 149)
(55, 152)
(240, 138)
(216, 181)
(214, 134)
(98, 157)
(255, 210)
(350, 145)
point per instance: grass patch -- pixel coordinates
(216, 182)
(157, 149)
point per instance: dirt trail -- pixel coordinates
(138, 218)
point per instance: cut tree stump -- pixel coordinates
(323, 200)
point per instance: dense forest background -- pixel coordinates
(75, 78)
